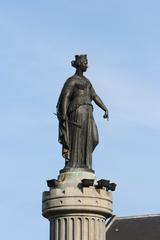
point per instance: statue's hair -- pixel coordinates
(78, 60)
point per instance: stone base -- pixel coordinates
(76, 212)
(73, 177)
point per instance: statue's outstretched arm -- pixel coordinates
(100, 103)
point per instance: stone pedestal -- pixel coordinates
(76, 212)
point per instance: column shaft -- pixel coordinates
(77, 228)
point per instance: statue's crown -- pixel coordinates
(80, 57)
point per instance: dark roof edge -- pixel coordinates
(110, 222)
(139, 216)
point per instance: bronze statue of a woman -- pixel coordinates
(78, 132)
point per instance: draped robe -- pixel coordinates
(78, 132)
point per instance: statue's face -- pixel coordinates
(84, 65)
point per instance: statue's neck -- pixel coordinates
(79, 72)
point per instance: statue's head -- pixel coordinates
(80, 62)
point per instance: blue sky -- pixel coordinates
(38, 41)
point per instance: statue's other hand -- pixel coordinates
(106, 115)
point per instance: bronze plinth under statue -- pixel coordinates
(78, 132)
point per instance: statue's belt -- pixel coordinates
(77, 102)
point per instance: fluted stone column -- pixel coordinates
(71, 227)
(76, 212)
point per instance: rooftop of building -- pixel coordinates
(145, 227)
